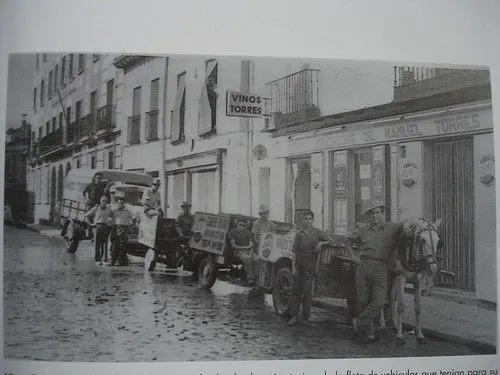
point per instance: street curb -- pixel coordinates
(481, 346)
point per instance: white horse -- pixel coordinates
(415, 264)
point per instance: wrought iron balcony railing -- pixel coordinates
(294, 98)
(152, 125)
(134, 129)
(50, 141)
(411, 82)
(106, 119)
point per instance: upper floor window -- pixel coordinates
(134, 122)
(95, 57)
(207, 116)
(42, 93)
(44, 57)
(34, 99)
(152, 118)
(47, 128)
(51, 77)
(60, 120)
(37, 62)
(177, 128)
(40, 132)
(63, 70)
(56, 82)
(54, 123)
(81, 62)
(71, 67)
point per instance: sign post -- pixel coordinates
(243, 104)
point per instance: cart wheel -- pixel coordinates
(150, 260)
(71, 245)
(207, 272)
(282, 291)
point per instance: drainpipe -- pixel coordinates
(163, 174)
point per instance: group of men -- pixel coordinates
(115, 224)
(373, 248)
(109, 223)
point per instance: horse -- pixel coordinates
(415, 263)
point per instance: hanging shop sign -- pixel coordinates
(243, 104)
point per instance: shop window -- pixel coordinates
(152, 115)
(34, 99)
(207, 117)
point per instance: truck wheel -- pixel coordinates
(171, 259)
(207, 272)
(150, 260)
(282, 291)
(71, 245)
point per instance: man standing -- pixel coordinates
(151, 199)
(375, 241)
(241, 242)
(123, 221)
(185, 220)
(102, 215)
(95, 190)
(305, 247)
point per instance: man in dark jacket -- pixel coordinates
(95, 190)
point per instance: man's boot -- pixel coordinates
(293, 322)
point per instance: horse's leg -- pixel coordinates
(400, 308)
(418, 299)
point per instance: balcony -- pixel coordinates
(294, 98)
(152, 125)
(134, 129)
(51, 142)
(414, 82)
(106, 119)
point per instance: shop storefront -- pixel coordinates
(437, 165)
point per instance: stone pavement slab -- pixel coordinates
(445, 319)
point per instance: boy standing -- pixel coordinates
(102, 215)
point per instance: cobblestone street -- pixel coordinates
(62, 307)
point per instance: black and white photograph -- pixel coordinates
(176, 208)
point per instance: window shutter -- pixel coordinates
(176, 121)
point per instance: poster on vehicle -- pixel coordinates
(147, 230)
(209, 232)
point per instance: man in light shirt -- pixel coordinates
(123, 220)
(102, 215)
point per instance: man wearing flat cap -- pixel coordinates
(262, 225)
(374, 250)
(185, 220)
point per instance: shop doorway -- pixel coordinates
(299, 188)
(451, 198)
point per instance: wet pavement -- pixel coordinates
(64, 307)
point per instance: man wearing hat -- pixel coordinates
(375, 245)
(185, 220)
(262, 225)
(151, 199)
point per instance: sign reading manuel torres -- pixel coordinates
(244, 104)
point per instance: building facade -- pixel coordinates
(429, 153)
(73, 122)
(17, 147)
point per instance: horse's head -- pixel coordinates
(426, 242)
